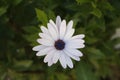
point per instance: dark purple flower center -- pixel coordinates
(59, 44)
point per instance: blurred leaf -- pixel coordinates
(84, 72)
(93, 5)
(51, 14)
(96, 24)
(106, 5)
(51, 73)
(31, 29)
(16, 2)
(22, 64)
(31, 34)
(91, 40)
(3, 71)
(83, 1)
(34, 76)
(95, 53)
(61, 76)
(41, 15)
(3, 10)
(96, 12)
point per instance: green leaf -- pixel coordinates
(51, 73)
(84, 72)
(83, 1)
(97, 12)
(90, 40)
(3, 10)
(16, 2)
(31, 34)
(3, 71)
(108, 6)
(23, 64)
(51, 14)
(36, 77)
(93, 4)
(95, 53)
(41, 15)
(61, 76)
(95, 24)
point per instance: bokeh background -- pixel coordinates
(20, 22)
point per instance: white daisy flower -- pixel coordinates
(59, 44)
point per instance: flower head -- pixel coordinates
(58, 43)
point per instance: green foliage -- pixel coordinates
(41, 16)
(84, 72)
(3, 10)
(97, 13)
(20, 22)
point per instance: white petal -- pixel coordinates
(44, 29)
(62, 29)
(45, 42)
(74, 45)
(78, 36)
(69, 61)
(40, 54)
(56, 56)
(71, 55)
(69, 30)
(50, 62)
(46, 36)
(70, 25)
(69, 34)
(54, 25)
(58, 21)
(38, 48)
(74, 52)
(74, 41)
(49, 56)
(76, 58)
(44, 51)
(63, 60)
(52, 31)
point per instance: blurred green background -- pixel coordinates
(19, 27)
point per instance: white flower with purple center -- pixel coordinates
(57, 43)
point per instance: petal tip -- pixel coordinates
(58, 17)
(33, 49)
(37, 54)
(45, 61)
(83, 35)
(71, 67)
